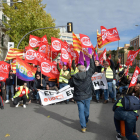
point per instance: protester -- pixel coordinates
(21, 94)
(110, 77)
(98, 70)
(10, 82)
(134, 90)
(51, 88)
(83, 90)
(129, 117)
(74, 69)
(124, 83)
(39, 72)
(39, 84)
(64, 76)
(1, 100)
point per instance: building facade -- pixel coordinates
(135, 42)
(4, 39)
(67, 36)
(123, 56)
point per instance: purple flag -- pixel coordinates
(81, 60)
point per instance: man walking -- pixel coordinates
(83, 90)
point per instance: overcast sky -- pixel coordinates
(88, 15)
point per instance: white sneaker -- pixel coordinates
(17, 105)
(7, 101)
(12, 99)
(24, 106)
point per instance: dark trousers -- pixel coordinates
(130, 122)
(18, 99)
(1, 102)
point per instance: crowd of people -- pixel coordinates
(78, 77)
(117, 82)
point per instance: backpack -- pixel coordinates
(131, 103)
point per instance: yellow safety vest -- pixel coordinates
(120, 69)
(19, 92)
(74, 72)
(109, 72)
(61, 78)
(120, 105)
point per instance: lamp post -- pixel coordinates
(37, 30)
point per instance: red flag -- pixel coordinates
(64, 53)
(42, 48)
(44, 40)
(74, 54)
(102, 57)
(54, 55)
(4, 70)
(48, 52)
(127, 71)
(55, 44)
(49, 69)
(34, 41)
(131, 56)
(135, 77)
(40, 57)
(3, 76)
(30, 56)
(109, 35)
(5, 67)
(85, 41)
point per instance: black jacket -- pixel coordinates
(98, 68)
(124, 81)
(11, 79)
(41, 87)
(82, 83)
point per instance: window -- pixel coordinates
(4, 19)
(69, 37)
(64, 37)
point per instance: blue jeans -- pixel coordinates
(9, 88)
(121, 88)
(83, 108)
(37, 96)
(114, 90)
(61, 85)
(108, 91)
(130, 122)
(97, 92)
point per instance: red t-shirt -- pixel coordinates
(23, 92)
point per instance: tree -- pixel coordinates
(122, 54)
(114, 53)
(131, 48)
(26, 17)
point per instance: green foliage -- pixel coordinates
(28, 16)
(114, 53)
(131, 48)
(131, 70)
(138, 57)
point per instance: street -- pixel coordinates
(57, 122)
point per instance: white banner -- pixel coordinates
(99, 81)
(51, 96)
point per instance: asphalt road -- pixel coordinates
(57, 122)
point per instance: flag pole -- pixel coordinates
(16, 80)
(51, 56)
(41, 78)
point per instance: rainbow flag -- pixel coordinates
(24, 71)
(13, 53)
